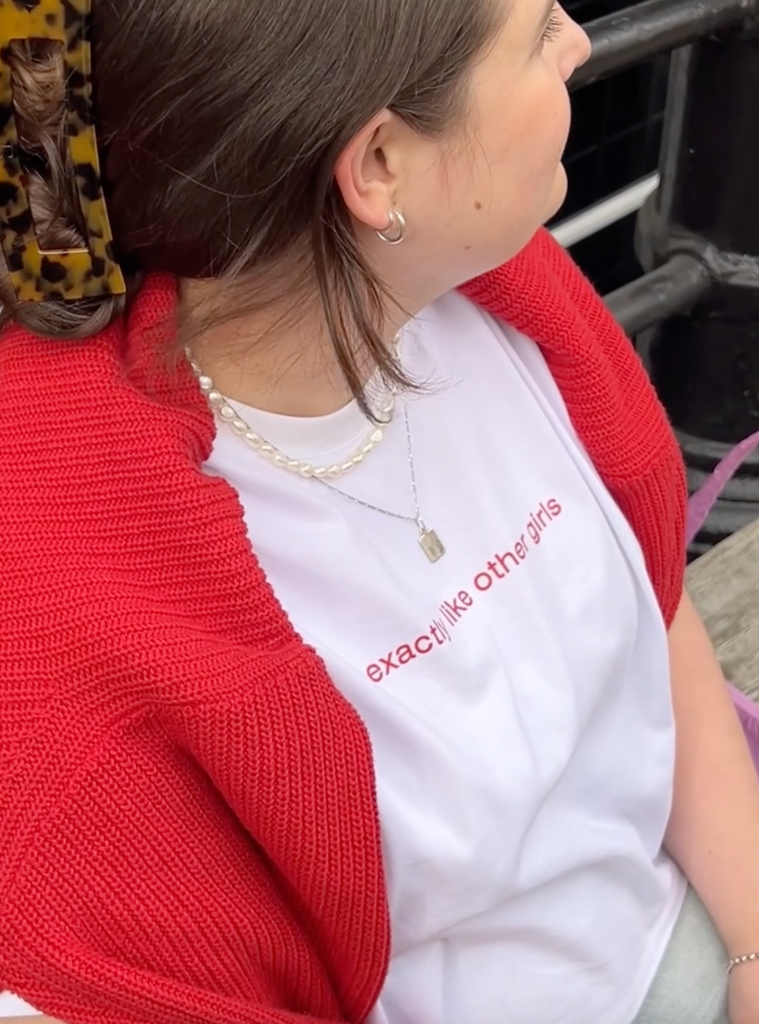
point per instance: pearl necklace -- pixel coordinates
(428, 540)
(221, 407)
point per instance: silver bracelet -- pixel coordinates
(735, 961)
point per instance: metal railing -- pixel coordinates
(695, 310)
(653, 27)
(604, 213)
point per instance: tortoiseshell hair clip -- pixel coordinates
(71, 273)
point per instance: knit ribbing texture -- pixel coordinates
(188, 822)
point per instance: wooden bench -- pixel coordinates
(724, 585)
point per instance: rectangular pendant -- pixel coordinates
(431, 545)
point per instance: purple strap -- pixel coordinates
(699, 507)
(702, 502)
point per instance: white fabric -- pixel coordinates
(12, 1006)
(516, 692)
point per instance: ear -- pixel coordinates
(367, 172)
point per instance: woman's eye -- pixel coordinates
(554, 25)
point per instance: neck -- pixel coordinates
(276, 359)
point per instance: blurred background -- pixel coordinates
(614, 143)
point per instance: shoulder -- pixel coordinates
(117, 548)
(608, 395)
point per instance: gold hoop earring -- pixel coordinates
(395, 231)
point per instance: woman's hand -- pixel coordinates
(743, 994)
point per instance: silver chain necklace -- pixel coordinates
(428, 540)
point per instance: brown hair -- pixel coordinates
(220, 122)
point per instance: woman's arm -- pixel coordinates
(714, 829)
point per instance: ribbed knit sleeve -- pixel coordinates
(141, 898)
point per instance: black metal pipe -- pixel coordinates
(708, 167)
(652, 27)
(706, 365)
(661, 293)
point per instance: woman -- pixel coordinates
(344, 635)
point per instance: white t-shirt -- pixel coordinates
(516, 692)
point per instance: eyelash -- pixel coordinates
(553, 27)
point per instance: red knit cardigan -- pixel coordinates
(188, 825)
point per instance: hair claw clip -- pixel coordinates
(71, 273)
